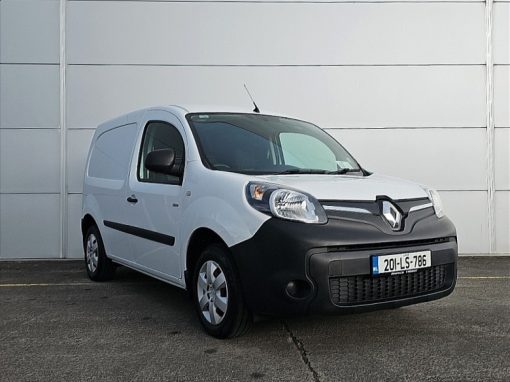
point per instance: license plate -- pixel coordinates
(401, 262)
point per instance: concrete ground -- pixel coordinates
(56, 325)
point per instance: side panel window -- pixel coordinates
(110, 158)
(160, 135)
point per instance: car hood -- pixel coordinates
(349, 187)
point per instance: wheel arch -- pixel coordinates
(86, 222)
(200, 239)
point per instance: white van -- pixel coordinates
(258, 214)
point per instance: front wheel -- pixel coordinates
(217, 294)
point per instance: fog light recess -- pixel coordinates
(298, 289)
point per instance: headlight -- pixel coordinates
(285, 203)
(436, 201)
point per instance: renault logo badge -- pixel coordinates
(392, 215)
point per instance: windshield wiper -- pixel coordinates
(318, 171)
(302, 171)
(344, 171)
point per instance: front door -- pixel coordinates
(155, 199)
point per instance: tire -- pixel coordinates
(99, 266)
(219, 304)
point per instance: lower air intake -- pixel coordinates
(353, 290)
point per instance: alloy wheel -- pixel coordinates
(212, 292)
(92, 253)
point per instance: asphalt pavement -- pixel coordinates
(56, 325)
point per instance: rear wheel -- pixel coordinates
(99, 266)
(217, 294)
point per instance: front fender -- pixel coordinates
(90, 207)
(233, 223)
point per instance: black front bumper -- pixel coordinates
(331, 265)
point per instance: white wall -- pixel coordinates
(390, 80)
(29, 130)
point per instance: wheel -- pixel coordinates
(217, 294)
(99, 266)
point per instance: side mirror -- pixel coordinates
(163, 162)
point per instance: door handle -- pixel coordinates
(132, 199)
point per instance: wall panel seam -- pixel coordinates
(444, 190)
(31, 63)
(288, 2)
(439, 189)
(28, 128)
(491, 183)
(31, 193)
(405, 128)
(355, 65)
(63, 134)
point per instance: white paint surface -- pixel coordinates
(29, 226)
(414, 68)
(78, 142)
(502, 158)
(29, 96)
(29, 160)
(502, 221)
(29, 31)
(275, 33)
(468, 211)
(372, 96)
(501, 34)
(447, 159)
(502, 96)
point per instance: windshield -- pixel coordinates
(262, 144)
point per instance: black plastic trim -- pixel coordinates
(141, 232)
(396, 244)
(285, 251)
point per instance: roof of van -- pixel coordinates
(194, 108)
(183, 110)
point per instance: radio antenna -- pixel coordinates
(256, 110)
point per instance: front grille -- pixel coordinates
(352, 290)
(391, 244)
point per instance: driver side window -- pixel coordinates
(160, 135)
